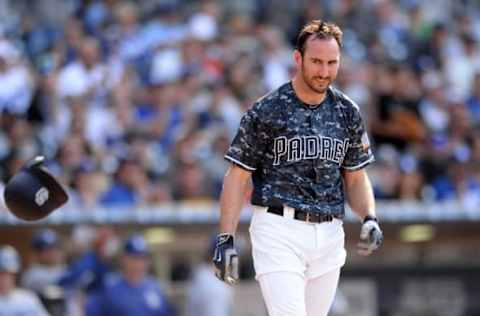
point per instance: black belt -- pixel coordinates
(302, 215)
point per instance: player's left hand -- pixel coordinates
(371, 237)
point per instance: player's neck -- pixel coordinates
(305, 94)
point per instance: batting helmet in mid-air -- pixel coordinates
(33, 193)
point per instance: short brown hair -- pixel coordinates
(320, 30)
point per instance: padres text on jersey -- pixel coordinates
(309, 147)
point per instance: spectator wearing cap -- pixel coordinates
(204, 286)
(132, 291)
(14, 300)
(48, 264)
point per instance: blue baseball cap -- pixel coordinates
(43, 239)
(9, 259)
(136, 245)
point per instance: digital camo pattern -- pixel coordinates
(296, 152)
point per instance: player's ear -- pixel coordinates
(297, 57)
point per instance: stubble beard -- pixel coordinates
(310, 81)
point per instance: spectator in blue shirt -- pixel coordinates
(88, 272)
(132, 291)
(129, 186)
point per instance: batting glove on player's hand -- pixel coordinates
(225, 259)
(371, 237)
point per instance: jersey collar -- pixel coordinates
(328, 98)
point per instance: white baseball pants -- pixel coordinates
(297, 264)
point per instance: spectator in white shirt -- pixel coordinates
(14, 300)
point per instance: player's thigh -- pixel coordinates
(277, 243)
(320, 293)
(283, 293)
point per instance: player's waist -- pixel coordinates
(334, 207)
(301, 215)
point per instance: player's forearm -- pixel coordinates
(235, 185)
(360, 194)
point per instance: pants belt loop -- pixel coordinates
(288, 212)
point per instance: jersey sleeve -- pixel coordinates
(247, 147)
(359, 154)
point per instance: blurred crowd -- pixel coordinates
(99, 275)
(103, 271)
(135, 102)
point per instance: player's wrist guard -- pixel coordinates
(369, 218)
(225, 259)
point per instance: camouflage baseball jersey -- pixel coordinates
(296, 152)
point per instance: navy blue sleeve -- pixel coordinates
(248, 146)
(359, 154)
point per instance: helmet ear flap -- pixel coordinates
(33, 193)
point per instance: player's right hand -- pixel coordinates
(225, 259)
(371, 237)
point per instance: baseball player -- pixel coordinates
(304, 146)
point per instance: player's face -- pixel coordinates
(319, 64)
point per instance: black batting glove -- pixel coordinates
(225, 259)
(371, 236)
